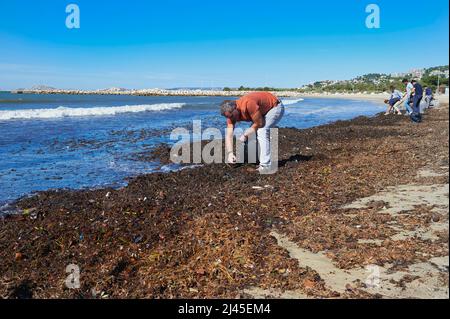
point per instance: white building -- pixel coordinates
(443, 74)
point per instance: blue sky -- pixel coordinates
(284, 43)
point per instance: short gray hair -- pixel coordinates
(227, 106)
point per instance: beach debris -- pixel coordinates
(18, 256)
(309, 284)
(137, 239)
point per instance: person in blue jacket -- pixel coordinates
(417, 92)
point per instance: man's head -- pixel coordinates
(405, 81)
(229, 110)
(413, 82)
(392, 88)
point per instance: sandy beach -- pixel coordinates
(358, 209)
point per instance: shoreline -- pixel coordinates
(186, 234)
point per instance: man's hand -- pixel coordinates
(248, 132)
(232, 158)
(243, 138)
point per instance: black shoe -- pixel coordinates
(416, 117)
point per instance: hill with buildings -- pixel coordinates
(379, 82)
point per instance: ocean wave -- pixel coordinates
(79, 112)
(290, 102)
(317, 111)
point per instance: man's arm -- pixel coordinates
(258, 122)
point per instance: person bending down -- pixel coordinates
(396, 96)
(264, 110)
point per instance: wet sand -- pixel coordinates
(370, 192)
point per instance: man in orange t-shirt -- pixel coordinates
(264, 110)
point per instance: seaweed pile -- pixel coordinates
(206, 232)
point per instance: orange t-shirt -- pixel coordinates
(253, 102)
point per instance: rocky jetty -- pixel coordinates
(153, 92)
(200, 92)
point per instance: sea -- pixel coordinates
(93, 141)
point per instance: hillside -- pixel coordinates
(379, 82)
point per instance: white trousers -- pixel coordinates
(272, 118)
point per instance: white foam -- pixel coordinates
(290, 102)
(77, 112)
(317, 111)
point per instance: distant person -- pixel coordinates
(264, 110)
(417, 93)
(396, 96)
(428, 97)
(409, 88)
